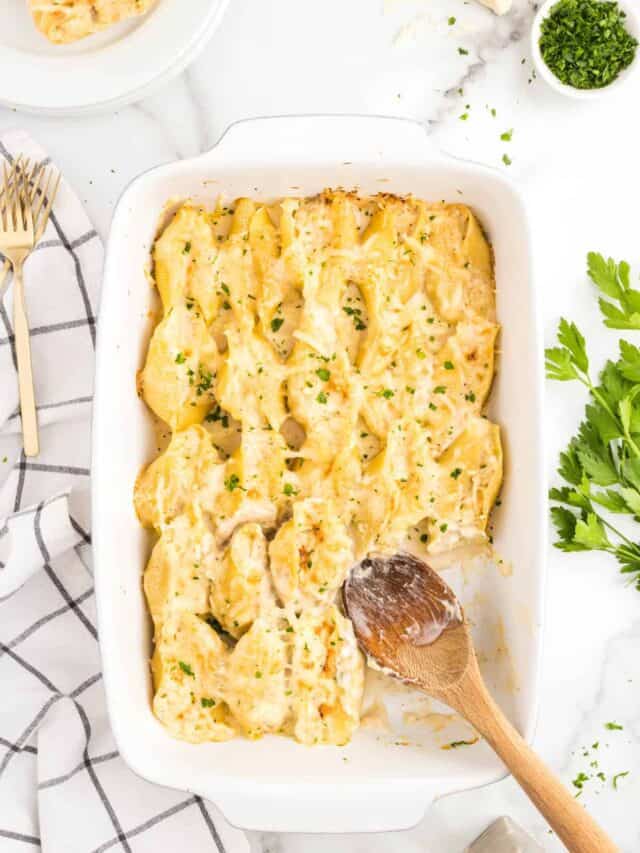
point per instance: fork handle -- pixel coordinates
(25, 373)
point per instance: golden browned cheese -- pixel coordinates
(322, 364)
(64, 21)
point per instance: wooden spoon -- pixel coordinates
(409, 621)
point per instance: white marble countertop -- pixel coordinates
(576, 163)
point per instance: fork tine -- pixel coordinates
(34, 180)
(16, 213)
(5, 193)
(27, 212)
(42, 223)
(23, 206)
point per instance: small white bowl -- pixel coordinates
(632, 23)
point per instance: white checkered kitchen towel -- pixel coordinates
(63, 786)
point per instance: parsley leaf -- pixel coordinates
(600, 466)
(613, 281)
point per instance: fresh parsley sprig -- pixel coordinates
(601, 465)
(612, 279)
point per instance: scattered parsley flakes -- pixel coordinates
(356, 315)
(205, 380)
(207, 703)
(507, 136)
(232, 483)
(439, 389)
(613, 727)
(463, 52)
(619, 776)
(579, 781)
(451, 21)
(464, 117)
(186, 669)
(321, 398)
(289, 490)
(387, 393)
(187, 248)
(323, 373)
(180, 358)
(506, 159)
(455, 744)
(276, 324)
(448, 365)
(456, 473)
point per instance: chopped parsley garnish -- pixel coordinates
(387, 393)
(506, 160)
(585, 43)
(470, 397)
(258, 674)
(323, 373)
(216, 415)
(451, 21)
(439, 389)
(448, 365)
(356, 314)
(225, 287)
(232, 483)
(443, 528)
(463, 52)
(619, 776)
(186, 668)
(180, 358)
(322, 397)
(187, 248)
(276, 324)
(421, 353)
(579, 781)
(456, 473)
(207, 703)
(507, 135)
(205, 380)
(613, 727)
(457, 743)
(464, 116)
(288, 490)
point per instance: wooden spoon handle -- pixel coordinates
(573, 825)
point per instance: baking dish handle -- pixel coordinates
(341, 136)
(339, 810)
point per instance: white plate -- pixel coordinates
(375, 783)
(103, 71)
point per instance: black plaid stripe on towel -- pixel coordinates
(63, 786)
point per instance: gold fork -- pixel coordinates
(26, 199)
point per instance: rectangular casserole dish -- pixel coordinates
(378, 782)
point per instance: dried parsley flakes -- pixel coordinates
(585, 42)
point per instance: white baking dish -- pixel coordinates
(378, 782)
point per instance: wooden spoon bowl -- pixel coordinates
(411, 624)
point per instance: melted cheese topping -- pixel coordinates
(322, 364)
(64, 21)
